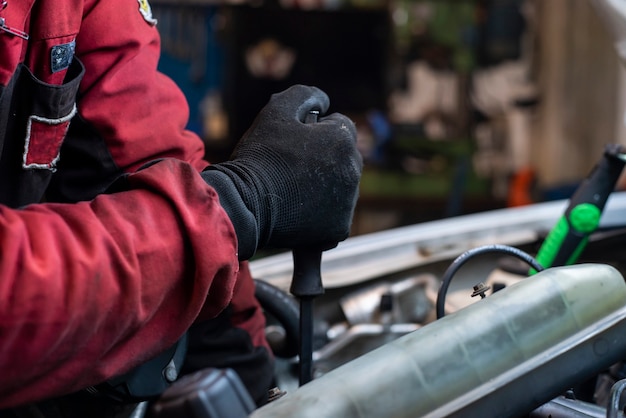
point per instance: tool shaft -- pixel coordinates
(306, 285)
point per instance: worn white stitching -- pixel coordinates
(31, 118)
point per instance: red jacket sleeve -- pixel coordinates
(166, 245)
(140, 113)
(92, 289)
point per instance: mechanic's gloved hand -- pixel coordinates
(291, 184)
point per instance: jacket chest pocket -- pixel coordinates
(48, 112)
(40, 114)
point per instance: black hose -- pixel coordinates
(466, 256)
(286, 310)
(613, 410)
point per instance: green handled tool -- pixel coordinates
(568, 238)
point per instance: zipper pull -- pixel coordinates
(12, 31)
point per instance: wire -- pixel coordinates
(466, 256)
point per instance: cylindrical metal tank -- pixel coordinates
(502, 356)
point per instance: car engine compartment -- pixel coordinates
(359, 324)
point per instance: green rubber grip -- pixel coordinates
(569, 236)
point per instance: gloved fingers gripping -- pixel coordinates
(344, 122)
(293, 176)
(318, 101)
(297, 101)
(344, 141)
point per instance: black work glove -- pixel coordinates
(291, 184)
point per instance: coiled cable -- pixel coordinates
(466, 256)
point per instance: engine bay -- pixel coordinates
(359, 319)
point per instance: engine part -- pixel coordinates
(617, 391)
(563, 407)
(410, 296)
(537, 337)
(146, 381)
(208, 393)
(285, 309)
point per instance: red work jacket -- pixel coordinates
(90, 289)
